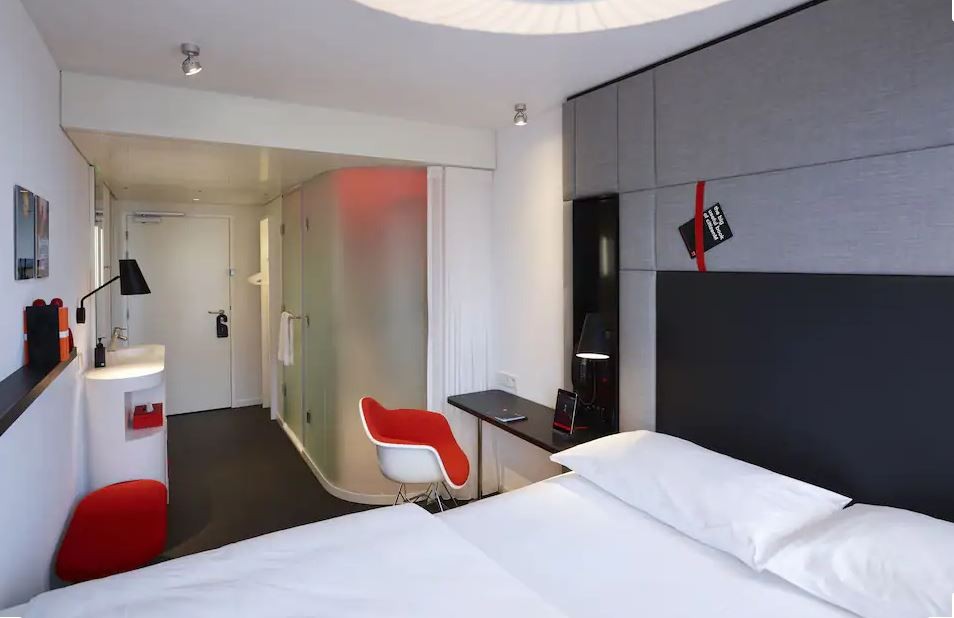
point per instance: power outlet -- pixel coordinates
(507, 382)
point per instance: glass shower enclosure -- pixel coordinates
(355, 243)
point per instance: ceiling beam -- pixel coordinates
(109, 105)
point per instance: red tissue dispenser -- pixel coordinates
(142, 418)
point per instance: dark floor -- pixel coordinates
(234, 475)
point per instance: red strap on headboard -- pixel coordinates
(699, 227)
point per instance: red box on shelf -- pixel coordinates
(143, 419)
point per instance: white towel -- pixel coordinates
(286, 348)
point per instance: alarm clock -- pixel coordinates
(565, 417)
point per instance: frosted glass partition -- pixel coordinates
(364, 292)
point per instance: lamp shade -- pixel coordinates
(594, 340)
(131, 281)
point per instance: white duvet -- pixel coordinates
(398, 561)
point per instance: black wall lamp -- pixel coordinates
(131, 283)
(594, 347)
(594, 350)
(594, 341)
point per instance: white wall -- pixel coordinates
(530, 287)
(42, 461)
(113, 105)
(245, 324)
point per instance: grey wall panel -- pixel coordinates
(637, 231)
(637, 350)
(675, 206)
(885, 215)
(637, 133)
(840, 80)
(569, 150)
(596, 143)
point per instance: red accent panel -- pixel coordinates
(699, 229)
(113, 530)
(417, 427)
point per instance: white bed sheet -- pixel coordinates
(399, 561)
(593, 555)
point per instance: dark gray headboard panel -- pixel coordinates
(843, 381)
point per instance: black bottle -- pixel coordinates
(99, 356)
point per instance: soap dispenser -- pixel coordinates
(99, 356)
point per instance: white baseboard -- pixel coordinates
(331, 488)
(244, 403)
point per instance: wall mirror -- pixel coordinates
(102, 260)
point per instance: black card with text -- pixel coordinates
(716, 230)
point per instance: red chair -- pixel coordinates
(415, 446)
(115, 529)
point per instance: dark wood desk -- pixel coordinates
(537, 429)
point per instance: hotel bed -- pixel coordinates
(647, 525)
(562, 548)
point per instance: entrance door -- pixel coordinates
(185, 261)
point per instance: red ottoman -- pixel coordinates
(114, 529)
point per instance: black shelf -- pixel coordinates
(21, 388)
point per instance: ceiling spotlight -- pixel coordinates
(190, 66)
(520, 117)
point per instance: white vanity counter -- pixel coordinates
(133, 376)
(136, 363)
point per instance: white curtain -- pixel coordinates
(460, 291)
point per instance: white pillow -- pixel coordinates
(875, 561)
(723, 502)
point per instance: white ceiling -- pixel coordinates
(165, 170)
(341, 54)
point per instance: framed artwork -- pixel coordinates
(42, 238)
(24, 230)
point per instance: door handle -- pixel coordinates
(219, 312)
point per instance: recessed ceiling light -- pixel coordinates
(539, 16)
(191, 65)
(195, 199)
(520, 117)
